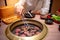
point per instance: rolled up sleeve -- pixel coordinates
(45, 9)
(20, 3)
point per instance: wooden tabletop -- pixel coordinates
(53, 33)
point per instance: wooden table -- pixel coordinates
(53, 33)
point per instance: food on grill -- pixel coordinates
(26, 30)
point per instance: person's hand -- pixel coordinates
(43, 16)
(36, 12)
(19, 9)
(39, 13)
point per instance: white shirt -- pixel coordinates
(42, 5)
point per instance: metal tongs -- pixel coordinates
(24, 19)
(29, 13)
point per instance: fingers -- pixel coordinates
(19, 10)
(36, 12)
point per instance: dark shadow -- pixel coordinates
(51, 2)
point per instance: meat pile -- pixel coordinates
(26, 31)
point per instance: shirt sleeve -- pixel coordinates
(45, 9)
(20, 3)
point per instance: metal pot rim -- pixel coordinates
(44, 29)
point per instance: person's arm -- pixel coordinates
(19, 6)
(45, 9)
(20, 3)
(42, 7)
